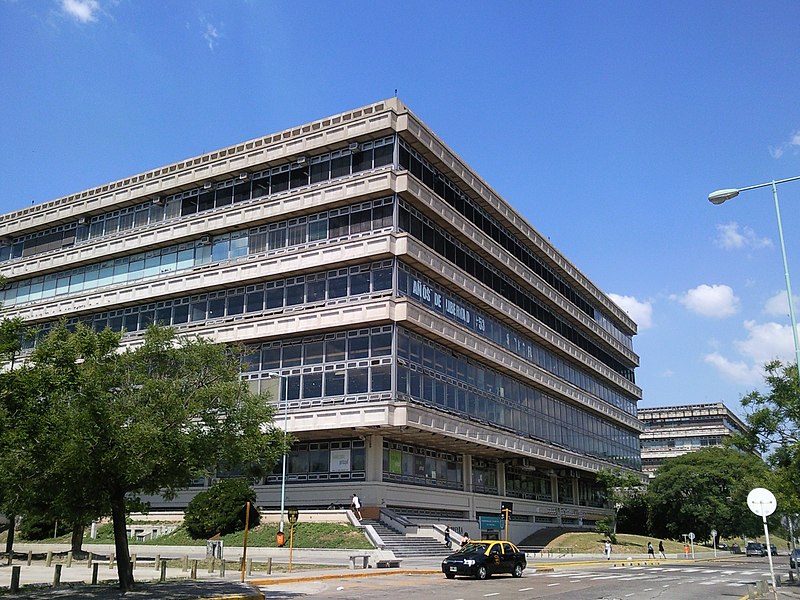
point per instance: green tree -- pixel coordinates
(620, 489)
(12, 334)
(220, 509)
(704, 490)
(773, 418)
(144, 420)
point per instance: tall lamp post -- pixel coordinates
(276, 388)
(721, 196)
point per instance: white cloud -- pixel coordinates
(765, 342)
(739, 372)
(778, 306)
(210, 33)
(716, 301)
(730, 236)
(791, 144)
(640, 312)
(84, 11)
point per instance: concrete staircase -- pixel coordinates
(406, 546)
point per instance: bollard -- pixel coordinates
(194, 570)
(185, 566)
(249, 566)
(163, 576)
(111, 560)
(95, 566)
(133, 562)
(57, 575)
(157, 562)
(269, 566)
(222, 569)
(69, 559)
(15, 579)
(49, 560)
(90, 560)
(212, 565)
(30, 557)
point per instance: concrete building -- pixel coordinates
(674, 430)
(436, 353)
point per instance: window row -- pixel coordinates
(322, 349)
(408, 158)
(355, 158)
(257, 298)
(423, 229)
(419, 466)
(481, 393)
(424, 290)
(331, 224)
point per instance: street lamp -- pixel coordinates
(276, 385)
(721, 196)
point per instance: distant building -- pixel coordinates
(675, 430)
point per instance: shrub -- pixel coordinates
(36, 526)
(220, 509)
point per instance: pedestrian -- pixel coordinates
(650, 552)
(447, 537)
(464, 539)
(686, 550)
(661, 548)
(607, 550)
(355, 506)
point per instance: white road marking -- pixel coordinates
(552, 584)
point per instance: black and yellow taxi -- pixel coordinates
(484, 558)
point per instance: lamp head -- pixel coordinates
(721, 196)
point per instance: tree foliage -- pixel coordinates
(102, 425)
(773, 419)
(620, 489)
(221, 509)
(705, 490)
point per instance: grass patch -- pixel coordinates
(592, 543)
(306, 535)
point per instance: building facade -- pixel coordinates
(434, 352)
(674, 430)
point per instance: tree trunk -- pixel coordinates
(124, 571)
(76, 543)
(12, 521)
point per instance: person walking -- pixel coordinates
(661, 549)
(686, 550)
(447, 537)
(464, 539)
(355, 506)
(607, 550)
(650, 552)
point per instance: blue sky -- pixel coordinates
(606, 124)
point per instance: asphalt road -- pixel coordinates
(666, 581)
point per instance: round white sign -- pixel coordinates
(762, 502)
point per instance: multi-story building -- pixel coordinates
(437, 354)
(674, 430)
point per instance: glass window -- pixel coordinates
(382, 278)
(381, 378)
(315, 289)
(381, 343)
(280, 181)
(319, 169)
(357, 381)
(299, 175)
(359, 282)
(295, 291)
(255, 301)
(236, 304)
(216, 308)
(180, 314)
(335, 349)
(199, 310)
(291, 355)
(275, 296)
(358, 347)
(271, 357)
(312, 385)
(340, 166)
(313, 352)
(334, 383)
(337, 285)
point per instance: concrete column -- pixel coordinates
(468, 485)
(575, 499)
(374, 458)
(554, 486)
(501, 478)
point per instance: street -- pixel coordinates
(673, 580)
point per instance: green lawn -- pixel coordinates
(306, 535)
(583, 543)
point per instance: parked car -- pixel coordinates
(755, 549)
(485, 558)
(794, 557)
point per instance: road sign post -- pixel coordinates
(762, 502)
(506, 509)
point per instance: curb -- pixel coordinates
(347, 575)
